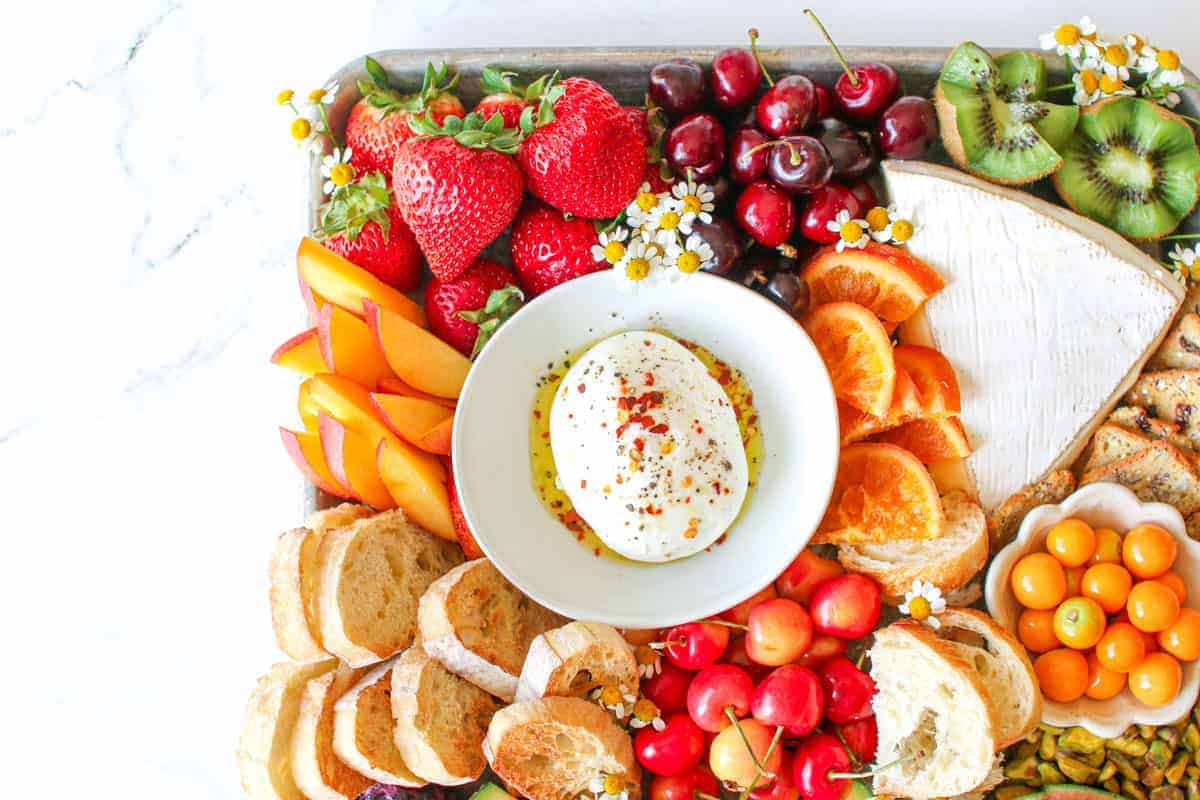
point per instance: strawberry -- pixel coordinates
(466, 311)
(379, 122)
(457, 188)
(503, 96)
(466, 540)
(361, 224)
(653, 131)
(582, 153)
(549, 249)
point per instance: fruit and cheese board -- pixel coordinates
(664, 413)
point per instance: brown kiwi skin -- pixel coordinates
(1166, 114)
(947, 116)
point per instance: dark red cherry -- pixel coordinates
(697, 142)
(746, 164)
(723, 237)
(767, 213)
(907, 128)
(734, 78)
(822, 101)
(864, 193)
(787, 107)
(677, 86)
(799, 164)
(850, 149)
(790, 291)
(863, 99)
(823, 206)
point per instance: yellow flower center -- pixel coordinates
(1089, 80)
(316, 95)
(902, 230)
(692, 204)
(285, 97)
(645, 655)
(1110, 84)
(637, 269)
(1168, 59)
(669, 221)
(614, 252)
(877, 218)
(1067, 34)
(919, 608)
(1117, 55)
(613, 784)
(341, 174)
(645, 710)
(610, 695)
(851, 231)
(688, 262)
(647, 200)
(301, 128)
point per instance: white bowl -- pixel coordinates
(1106, 505)
(795, 404)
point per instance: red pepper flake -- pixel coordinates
(716, 485)
(582, 388)
(596, 552)
(646, 342)
(640, 444)
(624, 426)
(724, 378)
(625, 402)
(645, 420)
(649, 378)
(660, 428)
(537, 413)
(699, 429)
(656, 398)
(546, 434)
(583, 484)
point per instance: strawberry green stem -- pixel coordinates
(808, 12)
(754, 50)
(1060, 87)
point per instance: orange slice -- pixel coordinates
(858, 354)
(935, 379)
(906, 405)
(931, 439)
(882, 493)
(889, 280)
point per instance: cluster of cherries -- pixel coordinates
(795, 154)
(766, 690)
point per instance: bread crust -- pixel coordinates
(558, 658)
(1004, 521)
(318, 772)
(346, 721)
(296, 632)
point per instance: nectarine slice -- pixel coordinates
(348, 347)
(352, 461)
(304, 448)
(931, 439)
(935, 378)
(888, 280)
(466, 539)
(438, 438)
(301, 354)
(857, 352)
(332, 277)
(423, 500)
(882, 493)
(418, 357)
(307, 406)
(410, 418)
(393, 385)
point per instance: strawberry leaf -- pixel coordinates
(471, 131)
(377, 73)
(495, 81)
(354, 205)
(501, 304)
(546, 91)
(383, 96)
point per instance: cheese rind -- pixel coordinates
(1047, 317)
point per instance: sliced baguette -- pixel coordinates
(480, 626)
(1004, 521)
(339, 516)
(264, 751)
(1003, 664)
(1159, 473)
(949, 562)
(937, 725)
(1181, 348)
(440, 718)
(549, 749)
(572, 660)
(364, 731)
(372, 575)
(318, 772)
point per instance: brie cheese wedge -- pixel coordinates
(1046, 316)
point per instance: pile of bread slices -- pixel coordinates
(412, 666)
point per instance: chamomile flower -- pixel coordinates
(1087, 87)
(642, 262)
(646, 714)
(1115, 59)
(336, 170)
(692, 255)
(612, 245)
(695, 200)
(306, 135)
(608, 787)
(1184, 263)
(1162, 67)
(613, 699)
(323, 96)
(1069, 39)
(648, 660)
(666, 222)
(637, 212)
(851, 232)
(923, 603)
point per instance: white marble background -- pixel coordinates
(152, 203)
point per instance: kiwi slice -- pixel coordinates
(1131, 165)
(994, 121)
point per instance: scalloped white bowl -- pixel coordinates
(795, 404)
(1105, 505)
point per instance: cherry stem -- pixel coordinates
(760, 773)
(699, 795)
(749, 749)
(853, 776)
(757, 60)
(808, 12)
(680, 642)
(726, 623)
(1060, 87)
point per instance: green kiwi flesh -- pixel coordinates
(1133, 166)
(1003, 129)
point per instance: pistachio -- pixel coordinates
(1107, 771)
(1050, 729)
(1080, 740)
(1124, 766)
(1112, 785)
(1012, 791)
(1170, 735)
(1152, 777)
(1048, 748)
(1093, 759)
(1129, 745)
(1146, 731)
(1025, 750)
(1131, 789)
(1160, 754)
(1167, 793)
(1193, 771)
(1193, 789)
(1025, 769)
(1178, 768)
(1076, 770)
(1049, 774)
(1191, 738)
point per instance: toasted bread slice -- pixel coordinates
(937, 725)
(318, 772)
(1114, 442)
(1006, 519)
(550, 749)
(339, 516)
(1181, 348)
(1172, 395)
(480, 626)
(1159, 473)
(572, 660)
(364, 731)
(372, 575)
(1136, 419)
(440, 718)
(948, 562)
(1004, 665)
(264, 751)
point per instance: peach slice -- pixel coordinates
(466, 539)
(889, 280)
(419, 358)
(332, 277)
(934, 376)
(352, 462)
(393, 385)
(424, 500)
(301, 354)
(438, 438)
(307, 406)
(932, 439)
(348, 347)
(312, 301)
(409, 417)
(304, 448)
